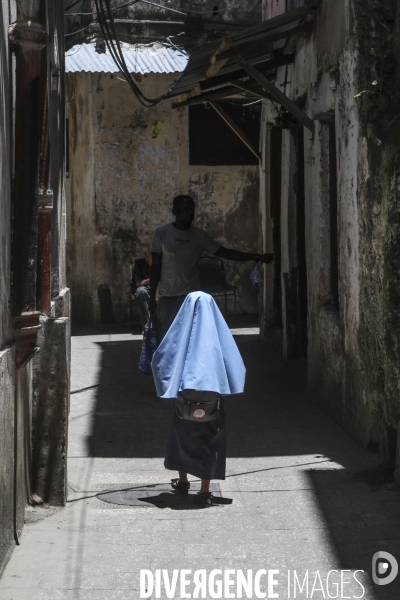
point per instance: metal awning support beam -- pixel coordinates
(304, 27)
(247, 87)
(207, 97)
(264, 67)
(235, 128)
(276, 93)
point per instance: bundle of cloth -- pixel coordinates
(198, 352)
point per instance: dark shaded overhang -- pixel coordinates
(243, 62)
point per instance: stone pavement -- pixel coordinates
(300, 495)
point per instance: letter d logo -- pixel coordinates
(384, 568)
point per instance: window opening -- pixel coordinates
(212, 141)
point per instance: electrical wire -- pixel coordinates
(182, 50)
(72, 4)
(76, 22)
(187, 11)
(115, 52)
(107, 25)
(80, 8)
(164, 7)
(76, 51)
(201, 12)
(95, 13)
(241, 104)
(195, 12)
(78, 31)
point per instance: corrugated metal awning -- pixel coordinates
(239, 63)
(139, 58)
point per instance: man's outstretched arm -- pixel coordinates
(155, 276)
(230, 254)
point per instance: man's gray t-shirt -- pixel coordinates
(181, 251)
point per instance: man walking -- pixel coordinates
(176, 250)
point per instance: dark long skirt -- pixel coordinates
(198, 448)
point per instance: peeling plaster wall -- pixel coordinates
(50, 407)
(7, 393)
(122, 182)
(82, 243)
(353, 350)
(15, 411)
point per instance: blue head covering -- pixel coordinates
(198, 352)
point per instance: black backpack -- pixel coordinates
(197, 405)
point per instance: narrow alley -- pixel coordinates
(299, 495)
(193, 189)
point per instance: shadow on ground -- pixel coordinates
(274, 418)
(131, 422)
(160, 496)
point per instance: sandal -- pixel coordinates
(182, 487)
(204, 499)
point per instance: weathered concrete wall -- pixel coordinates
(7, 402)
(50, 413)
(122, 182)
(379, 229)
(353, 348)
(23, 458)
(15, 459)
(273, 8)
(81, 218)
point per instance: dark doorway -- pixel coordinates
(106, 306)
(295, 281)
(275, 155)
(301, 246)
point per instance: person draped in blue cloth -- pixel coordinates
(198, 353)
(195, 448)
